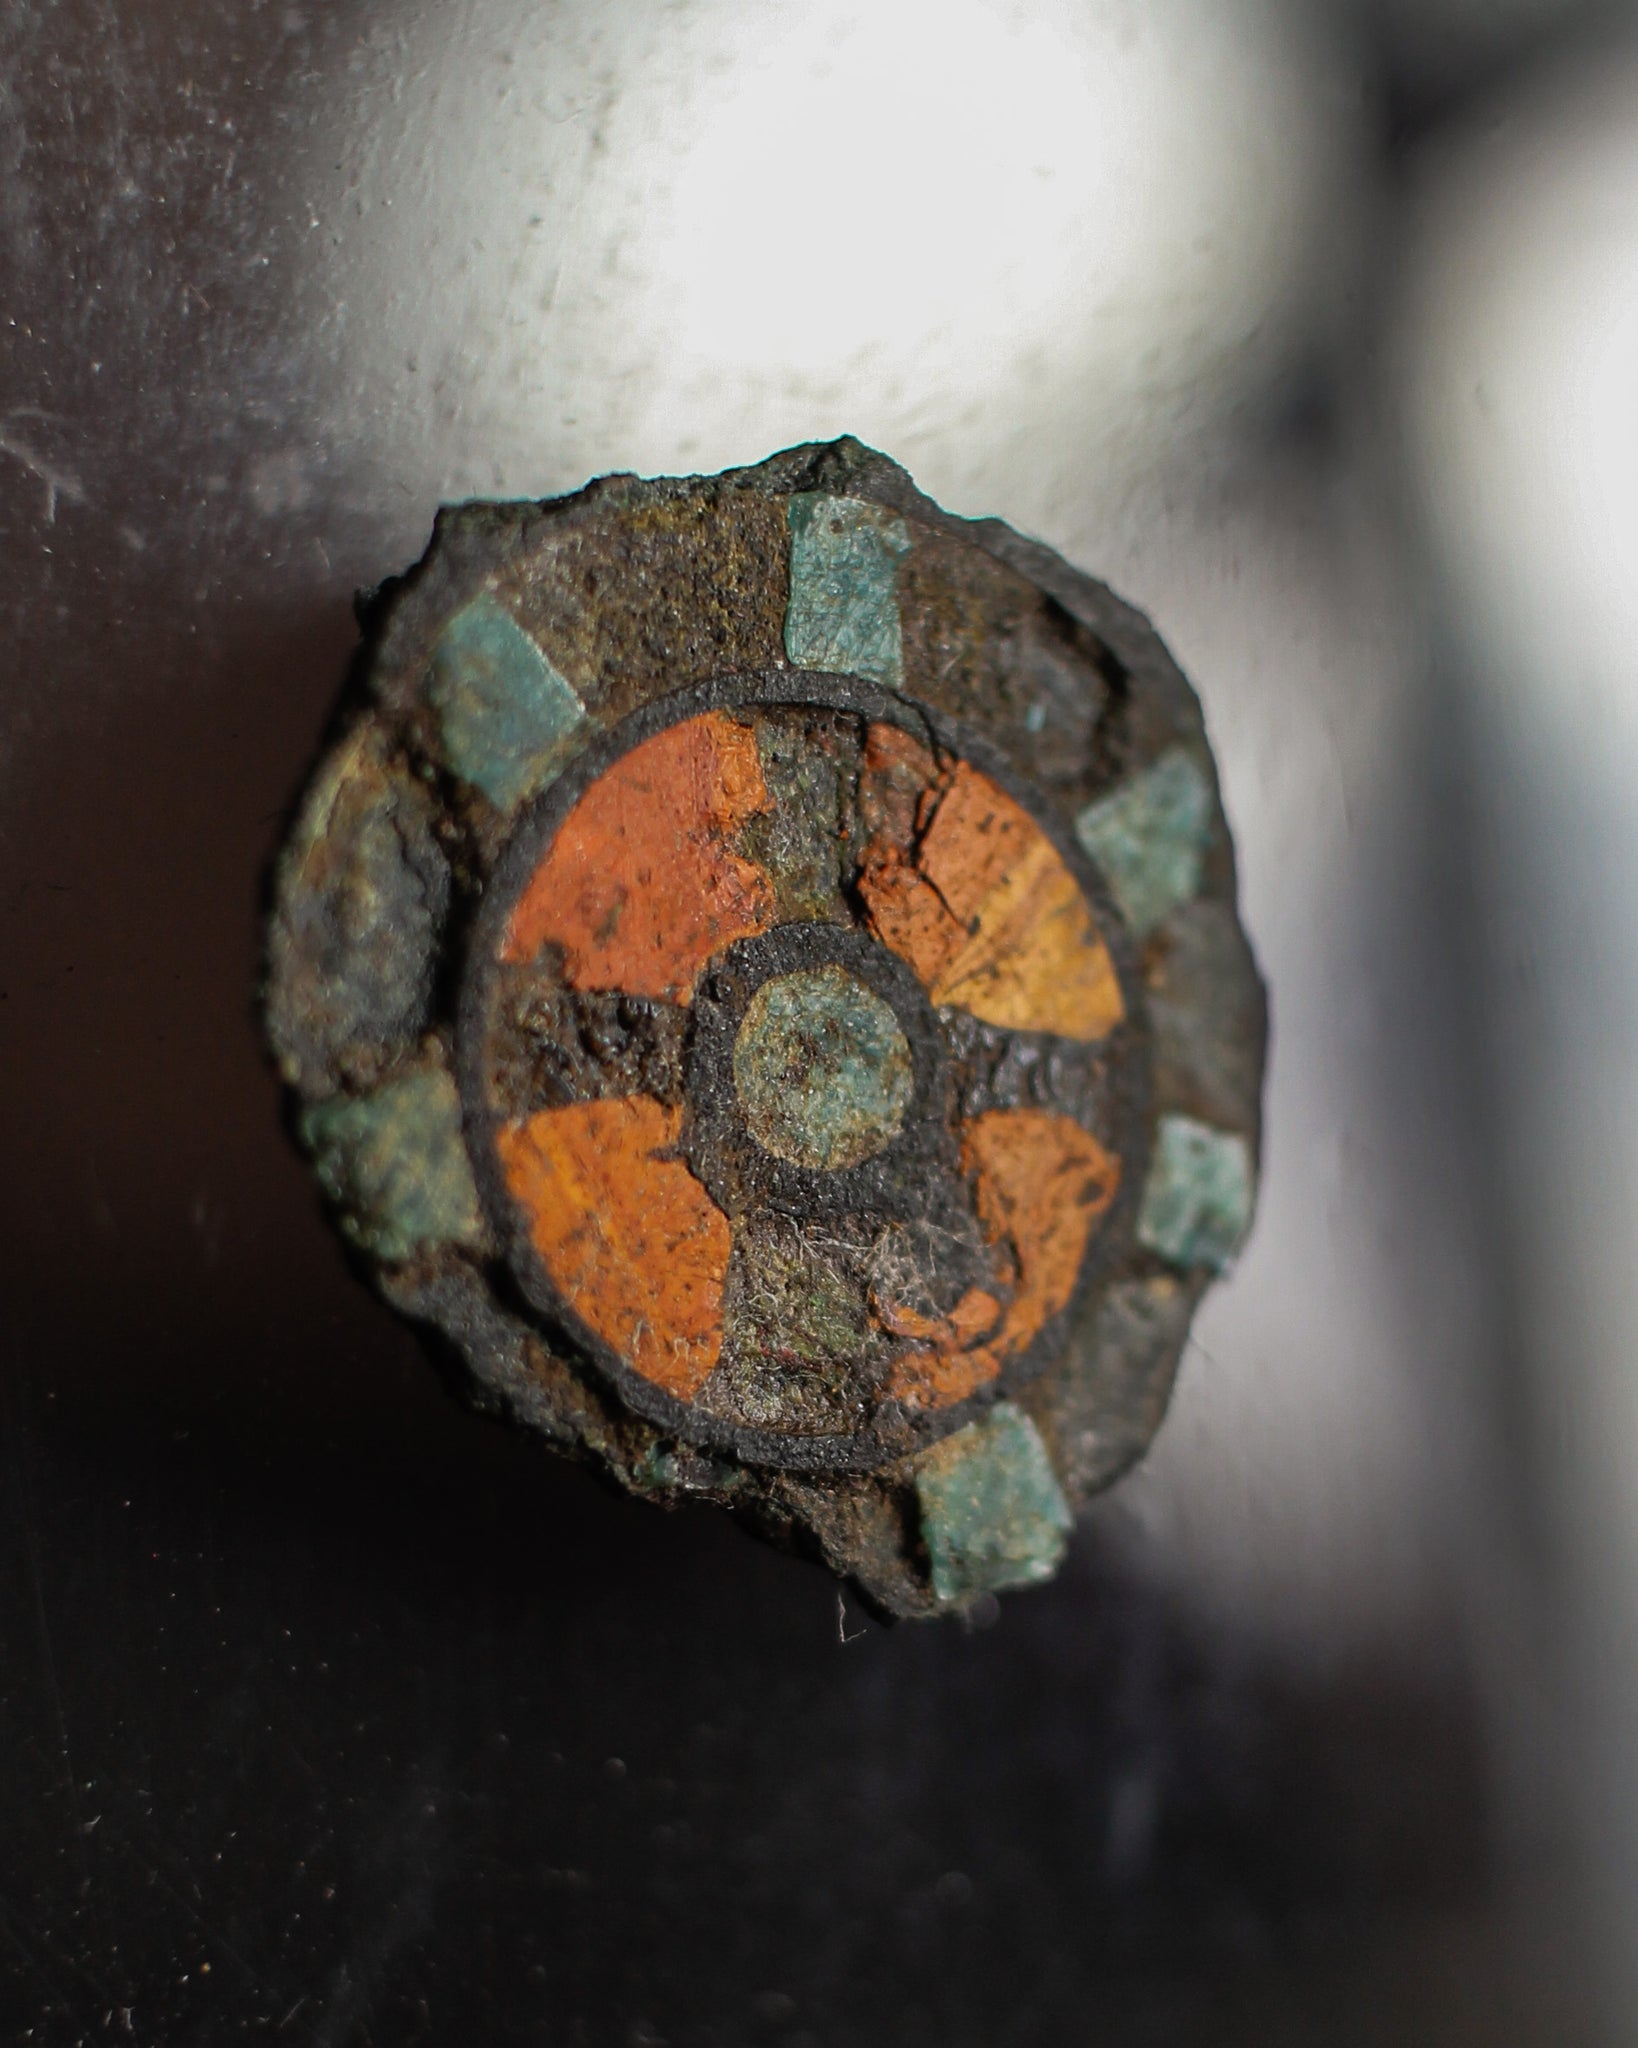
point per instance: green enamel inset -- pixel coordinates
(506, 717)
(1198, 1198)
(395, 1164)
(992, 1512)
(1149, 837)
(843, 613)
(822, 1068)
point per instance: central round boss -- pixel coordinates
(822, 1069)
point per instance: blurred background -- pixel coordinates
(331, 1714)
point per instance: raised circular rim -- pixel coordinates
(538, 824)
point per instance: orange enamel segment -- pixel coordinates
(907, 913)
(973, 1316)
(631, 1240)
(957, 1364)
(938, 1379)
(640, 887)
(1041, 1183)
(1033, 959)
(898, 777)
(974, 840)
(990, 917)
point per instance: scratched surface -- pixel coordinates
(332, 1714)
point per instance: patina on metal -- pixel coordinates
(760, 975)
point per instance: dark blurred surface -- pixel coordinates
(333, 1714)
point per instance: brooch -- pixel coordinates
(758, 972)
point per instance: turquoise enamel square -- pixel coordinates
(992, 1512)
(844, 611)
(1149, 837)
(394, 1164)
(1198, 1200)
(506, 716)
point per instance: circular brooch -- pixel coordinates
(759, 973)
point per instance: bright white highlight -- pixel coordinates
(1522, 347)
(1028, 249)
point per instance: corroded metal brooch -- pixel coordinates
(759, 973)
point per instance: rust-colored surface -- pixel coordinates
(983, 906)
(898, 777)
(938, 1379)
(1041, 1184)
(628, 1235)
(956, 1363)
(640, 886)
(973, 1315)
